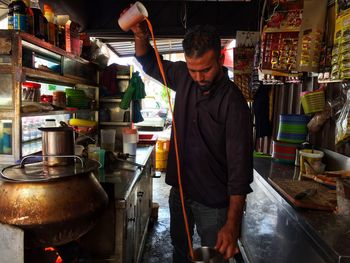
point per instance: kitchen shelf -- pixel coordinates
(110, 100)
(281, 30)
(115, 123)
(122, 77)
(20, 51)
(54, 77)
(47, 47)
(110, 105)
(330, 81)
(280, 73)
(56, 112)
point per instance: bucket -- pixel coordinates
(130, 139)
(311, 157)
(206, 255)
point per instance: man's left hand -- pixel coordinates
(226, 242)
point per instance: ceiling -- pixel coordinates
(170, 19)
(164, 45)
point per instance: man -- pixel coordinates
(214, 132)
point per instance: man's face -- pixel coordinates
(205, 69)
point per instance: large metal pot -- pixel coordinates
(53, 205)
(57, 141)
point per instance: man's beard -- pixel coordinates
(205, 88)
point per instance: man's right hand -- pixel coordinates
(140, 30)
(141, 35)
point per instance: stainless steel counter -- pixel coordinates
(274, 231)
(120, 233)
(123, 176)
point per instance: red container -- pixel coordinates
(150, 139)
(284, 152)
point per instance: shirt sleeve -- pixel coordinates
(239, 148)
(150, 66)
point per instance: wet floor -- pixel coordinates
(158, 246)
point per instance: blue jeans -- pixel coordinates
(208, 222)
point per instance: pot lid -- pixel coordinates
(38, 172)
(56, 129)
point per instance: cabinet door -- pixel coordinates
(146, 194)
(129, 249)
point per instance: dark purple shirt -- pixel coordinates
(214, 133)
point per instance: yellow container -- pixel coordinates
(162, 151)
(313, 102)
(311, 157)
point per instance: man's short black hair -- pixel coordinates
(200, 39)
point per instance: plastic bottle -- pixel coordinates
(38, 21)
(19, 15)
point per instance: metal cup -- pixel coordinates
(206, 255)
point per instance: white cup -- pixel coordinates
(108, 139)
(134, 15)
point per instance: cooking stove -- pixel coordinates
(12, 249)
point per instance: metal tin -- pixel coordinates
(57, 141)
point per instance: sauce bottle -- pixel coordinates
(39, 22)
(19, 15)
(10, 15)
(51, 27)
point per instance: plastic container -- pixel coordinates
(313, 102)
(108, 139)
(130, 139)
(162, 152)
(284, 152)
(134, 15)
(292, 128)
(311, 157)
(59, 99)
(93, 152)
